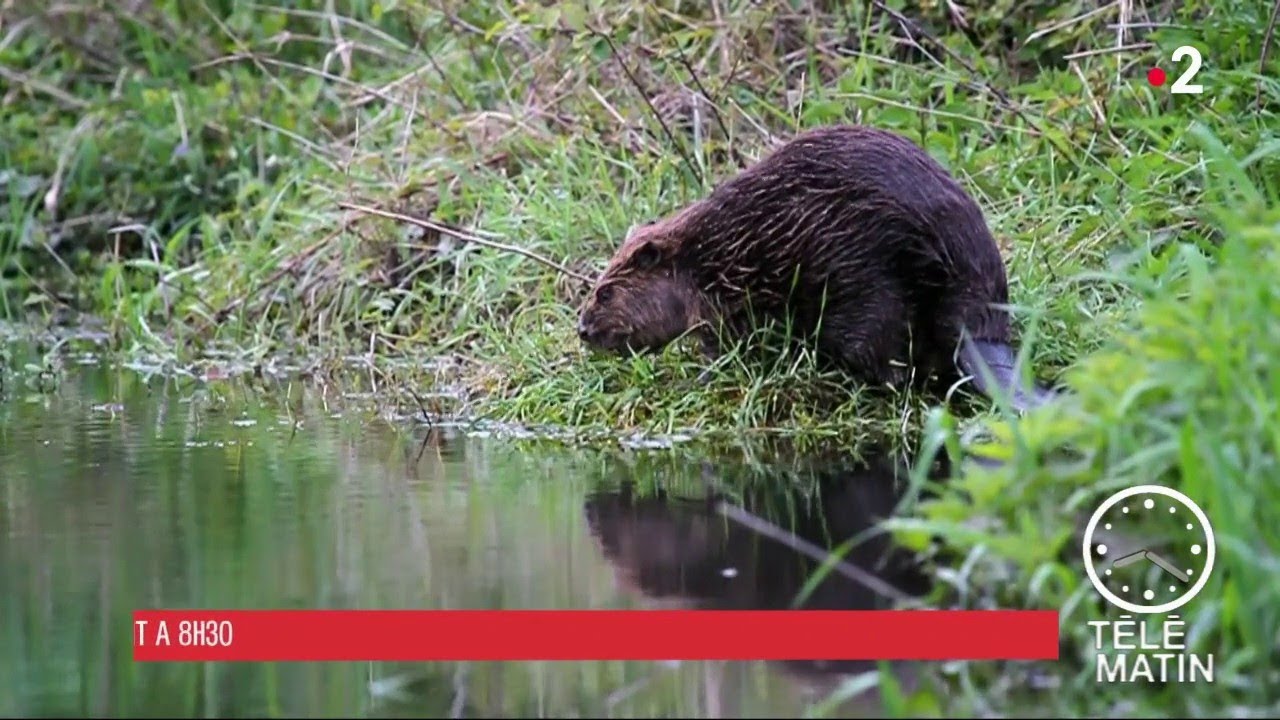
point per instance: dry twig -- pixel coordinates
(613, 50)
(465, 236)
(715, 111)
(1266, 48)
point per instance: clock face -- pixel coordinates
(1161, 551)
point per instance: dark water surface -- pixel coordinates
(120, 492)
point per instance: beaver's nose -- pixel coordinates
(584, 331)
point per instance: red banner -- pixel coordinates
(434, 635)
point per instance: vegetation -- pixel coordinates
(206, 183)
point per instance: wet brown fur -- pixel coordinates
(854, 234)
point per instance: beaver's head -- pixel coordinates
(641, 302)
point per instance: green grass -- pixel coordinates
(174, 178)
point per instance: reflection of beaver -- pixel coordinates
(851, 234)
(685, 550)
(673, 548)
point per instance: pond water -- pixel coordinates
(123, 491)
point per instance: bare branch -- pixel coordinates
(464, 235)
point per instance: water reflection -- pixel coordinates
(764, 548)
(120, 490)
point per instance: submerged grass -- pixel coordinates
(181, 177)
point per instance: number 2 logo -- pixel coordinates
(1183, 86)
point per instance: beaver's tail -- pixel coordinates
(993, 366)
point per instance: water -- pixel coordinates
(121, 491)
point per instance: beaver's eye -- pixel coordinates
(604, 294)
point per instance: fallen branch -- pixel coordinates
(465, 236)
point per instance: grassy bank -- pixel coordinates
(199, 181)
(180, 175)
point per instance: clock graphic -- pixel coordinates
(1167, 551)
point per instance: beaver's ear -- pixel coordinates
(647, 255)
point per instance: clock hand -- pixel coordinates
(1166, 566)
(1129, 559)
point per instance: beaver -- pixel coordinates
(853, 235)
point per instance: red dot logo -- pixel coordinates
(1155, 76)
